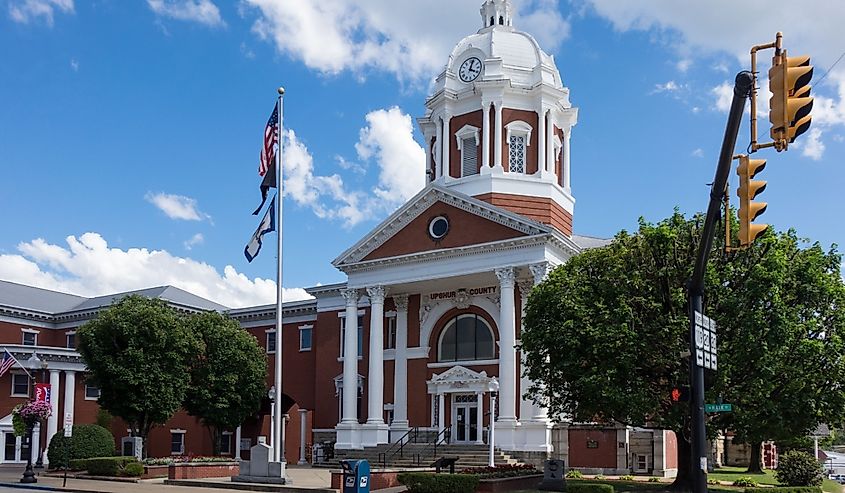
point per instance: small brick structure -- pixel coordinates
(509, 484)
(378, 479)
(157, 471)
(202, 470)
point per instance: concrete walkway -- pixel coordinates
(302, 477)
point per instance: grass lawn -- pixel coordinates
(767, 477)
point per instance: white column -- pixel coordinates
(428, 149)
(526, 406)
(70, 388)
(565, 153)
(350, 358)
(550, 136)
(35, 445)
(375, 394)
(438, 144)
(541, 142)
(507, 340)
(479, 418)
(303, 421)
(53, 420)
(446, 146)
(497, 141)
(400, 367)
(485, 135)
(238, 443)
(441, 407)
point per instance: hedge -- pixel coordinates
(87, 441)
(110, 466)
(133, 469)
(578, 487)
(785, 489)
(422, 482)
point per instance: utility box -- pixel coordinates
(132, 447)
(356, 476)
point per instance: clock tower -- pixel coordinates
(498, 124)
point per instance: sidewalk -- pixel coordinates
(301, 477)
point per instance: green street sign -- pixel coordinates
(718, 408)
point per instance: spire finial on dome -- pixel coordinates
(496, 13)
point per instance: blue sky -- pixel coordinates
(130, 131)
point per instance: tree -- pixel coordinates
(611, 325)
(228, 379)
(139, 352)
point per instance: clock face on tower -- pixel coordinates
(470, 69)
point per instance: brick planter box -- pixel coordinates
(151, 472)
(378, 479)
(509, 484)
(202, 470)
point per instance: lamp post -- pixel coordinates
(33, 363)
(494, 388)
(272, 395)
(40, 463)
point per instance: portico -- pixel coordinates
(465, 390)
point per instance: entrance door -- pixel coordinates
(10, 448)
(466, 420)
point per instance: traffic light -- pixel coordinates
(747, 191)
(790, 105)
(680, 394)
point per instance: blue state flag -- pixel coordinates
(268, 224)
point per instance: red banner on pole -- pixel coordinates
(43, 392)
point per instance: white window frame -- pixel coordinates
(270, 334)
(390, 332)
(519, 128)
(467, 132)
(303, 328)
(637, 458)
(87, 398)
(342, 317)
(67, 339)
(29, 331)
(16, 375)
(223, 436)
(177, 432)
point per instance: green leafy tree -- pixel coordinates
(228, 379)
(610, 326)
(139, 352)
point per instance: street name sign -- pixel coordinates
(718, 408)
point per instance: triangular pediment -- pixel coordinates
(471, 222)
(459, 374)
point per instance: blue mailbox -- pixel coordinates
(356, 476)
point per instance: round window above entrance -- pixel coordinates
(438, 227)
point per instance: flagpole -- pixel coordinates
(279, 424)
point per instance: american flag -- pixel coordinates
(268, 152)
(8, 362)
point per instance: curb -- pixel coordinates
(37, 487)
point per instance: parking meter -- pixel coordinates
(356, 476)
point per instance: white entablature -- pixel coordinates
(460, 379)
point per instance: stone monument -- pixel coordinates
(259, 468)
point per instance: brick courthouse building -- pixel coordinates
(436, 291)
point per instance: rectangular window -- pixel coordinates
(305, 338)
(226, 443)
(516, 154)
(71, 341)
(469, 157)
(271, 341)
(642, 462)
(360, 336)
(92, 393)
(390, 337)
(177, 442)
(20, 385)
(30, 338)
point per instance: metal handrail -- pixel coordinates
(383, 458)
(445, 436)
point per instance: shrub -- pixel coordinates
(653, 479)
(133, 469)
(785, 489)
(574, 474)
(421, 482)
(109, 466)
(589, 488)
(501, 471)
(746, 482)
(626, 477)
(796, 468)
(87, 441)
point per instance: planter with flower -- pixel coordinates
(25, 416)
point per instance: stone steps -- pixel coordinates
(468, 455)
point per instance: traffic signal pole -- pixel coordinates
(742, 88)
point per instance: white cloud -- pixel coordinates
(388, 140)
(176, 206)
(74, 64)
(684, 64)
(201, 11)
(408, 38)
(193, 241)
(698, 152)
(88, 267)
(724, 94)
(24, 11)
(670, 86)
(811, 145)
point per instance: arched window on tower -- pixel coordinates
(518, 139)
(501, 20)
(467, 138)
(492, 21)
(466, 337)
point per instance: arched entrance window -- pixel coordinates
(466, 337)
